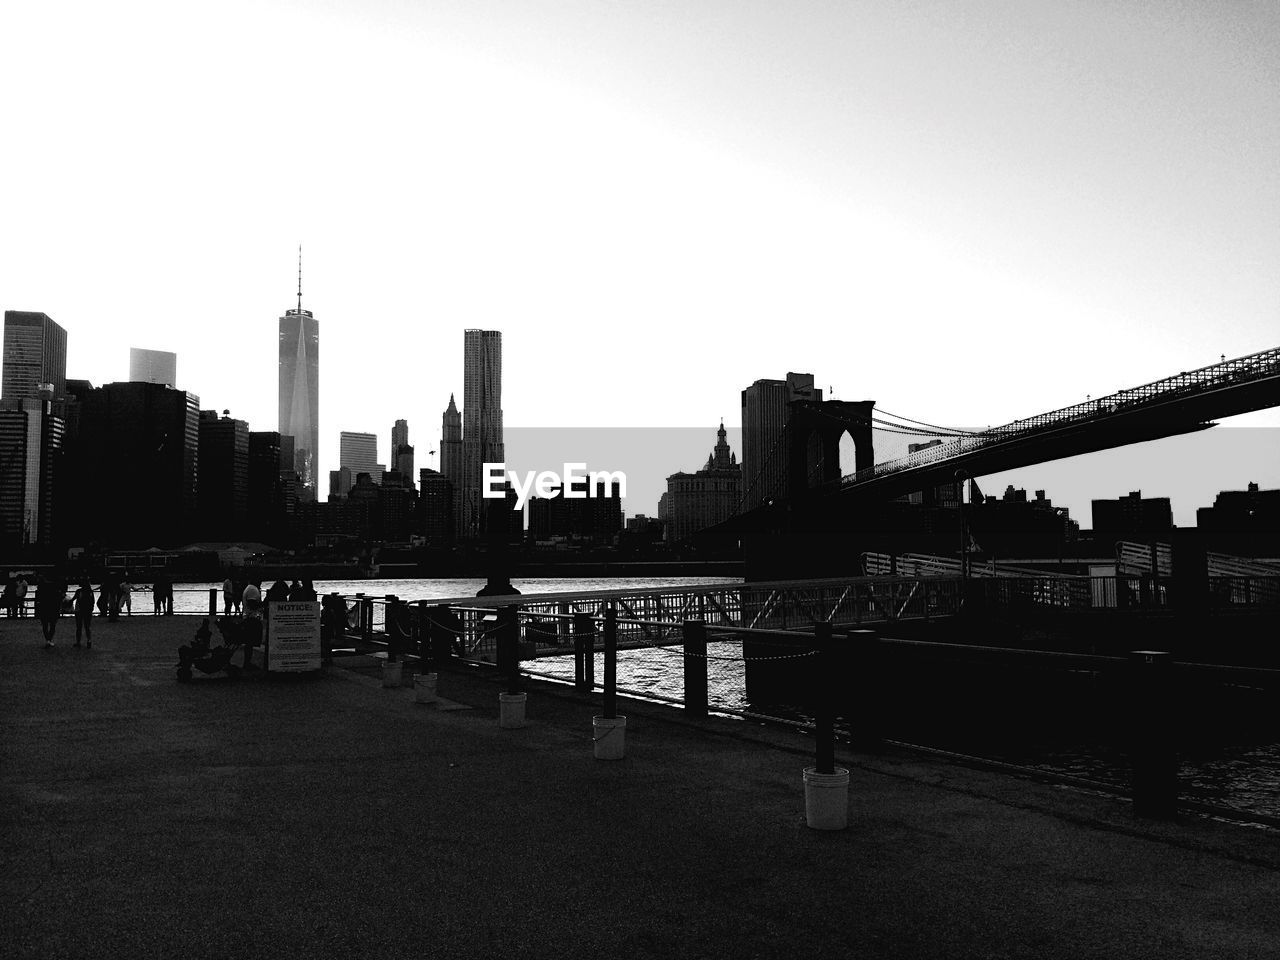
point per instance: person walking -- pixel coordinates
(126, 595)
(49, 593)
(20, 588)
(82, 606)
(228, 590)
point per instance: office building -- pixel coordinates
(300, 391)
(268, 514)
(482, 440)
(451, 459)
(153, 366)
(136, 469)
(1132, 518)
(765, 414)
(358, 453)
(340, 482)
(402, 451)
(695, 501)
(35, 352)
(397, 507)
(30, 456)
(222, 482)
(435, 507)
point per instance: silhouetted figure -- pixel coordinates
(237, 593)
(228, 589)
(251, 635)
(308, 590)
(49, 594)
(279, 591)
(333, 623)
(82, 608)
(295, 591)
(162, 592)
(124, 596)
(104, 596)
(20, 588)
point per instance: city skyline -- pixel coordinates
(967, 217)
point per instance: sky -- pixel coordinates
(968, 212)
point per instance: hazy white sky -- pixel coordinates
(968, 212)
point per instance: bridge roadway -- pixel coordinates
(328, 817)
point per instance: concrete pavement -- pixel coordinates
(329, 817)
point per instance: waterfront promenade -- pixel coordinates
(329, 817)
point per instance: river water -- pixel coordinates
(1240, 773)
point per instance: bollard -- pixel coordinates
(511, 704)
(695, 667)
(1152, 751)
(865, 707)
(826, 786)
(584, 652)
(213, 602)
(609, 731)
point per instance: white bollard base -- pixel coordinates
(826, 799)
(391, 673)
(511, 710)
(610, 736)
(424, 688)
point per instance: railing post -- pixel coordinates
(213, 602)
(425, 652)
(584, 652)
(508, 628)
(695, 667)
(391, 627)
(366, 617)
(610, 664)
(824, 668)
(1152, 751)
(865, 685)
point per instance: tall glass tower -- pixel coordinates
(35, 352)
(300, 390)
(481, 423)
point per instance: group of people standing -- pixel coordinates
(51, 603)
(235, 593)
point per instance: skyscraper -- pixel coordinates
(481, 423)
(358, 452)
(30, 452)
(138, 451)
(765, 412)
(451, 455)
(222, 487)
(300, 390)
(153, 366)
(35, 352)
(402, 450)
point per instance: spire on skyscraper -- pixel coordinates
(299, 278)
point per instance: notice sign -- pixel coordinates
(293, 636)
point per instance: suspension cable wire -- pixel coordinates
(897, 416)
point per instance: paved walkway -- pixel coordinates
(328, 817)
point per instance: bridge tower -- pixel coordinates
(816, 427)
